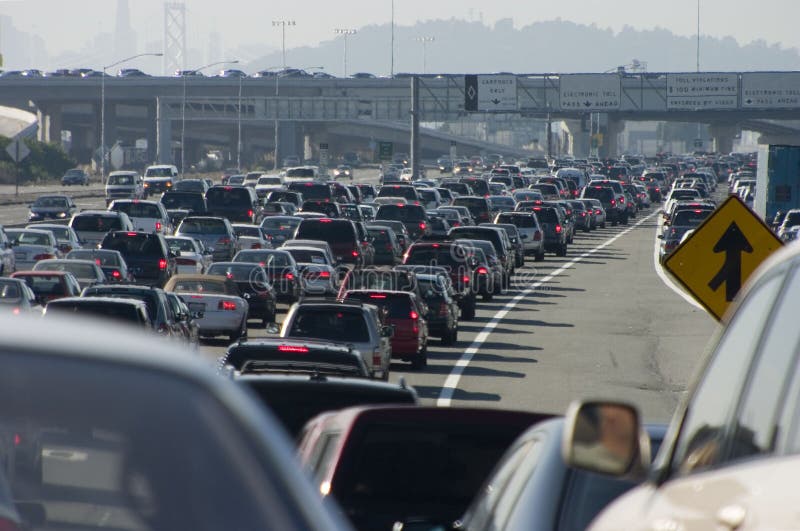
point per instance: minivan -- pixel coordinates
(92, 225)
(340, 234)
(146, 216)
(237, 203)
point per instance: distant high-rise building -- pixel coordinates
(124, 36)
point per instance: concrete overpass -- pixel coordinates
(153, 105)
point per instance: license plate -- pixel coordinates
(197, 306)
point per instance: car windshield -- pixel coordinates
(76, 268)
(59, 202)
(202, 226)
(200, 286)
(26, 237)
(158, 172)
(308, 256)
(280, 224)
(181, 244)
(9, 290)
(337, 324)
(120, 179)
(407, 213)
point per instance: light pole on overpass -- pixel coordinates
(425, 41)
(103, 105)
(283, 24)
(184, 75)
(345, 33)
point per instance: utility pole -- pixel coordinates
(425, 41)
(415, 153)
(391, 68)
(283, 24)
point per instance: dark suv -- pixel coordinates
(239, 204)
(615, 212)
(159, 309)
(340, 234)
(455, 259)
(413, 217)
(551, 219)
(147, 255)
(478, 206)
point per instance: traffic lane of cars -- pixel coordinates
(643, 340)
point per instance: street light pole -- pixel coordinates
(283, 24)
(345, 33)
(239, 128)
(424, 41)
(103, 106)
(184, 75)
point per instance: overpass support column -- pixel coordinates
(724, 134)
(290, 141)
(50, 123)
(579, 141)
(613, 129)
(152, 131)
(164, 133)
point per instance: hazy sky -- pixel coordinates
(70, 24)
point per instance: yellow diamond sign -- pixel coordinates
(721, 254)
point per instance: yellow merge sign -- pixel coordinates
(721, 254)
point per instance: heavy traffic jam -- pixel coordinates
(315, 286)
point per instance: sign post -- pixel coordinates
(17, 150)
(722, 253)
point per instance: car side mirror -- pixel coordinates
(387, 331)
(606, 438)
(420, 524)
(660, 236)
(197, 315)
(273, 328)
(171, 254)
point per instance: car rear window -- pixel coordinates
(202, 226)
(524, 222)
(441, 256)
(599, 192)
(189, 201)
(200, 286)
(407, 213)
(9, 290)
(137, 210)
(280, 224)
(133, 244)
(96, 223)
(228, 196)
(547, 215)
(396, 306)
(331, 231)
(77, 269)
(312, 190)
(690, 217)
(308, 256)
(336, 324)
(546, 189)
(379, 280)
(397, 190)
(479, 186)
(118, 312)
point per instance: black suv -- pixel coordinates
(615, 212)
(159, 309)
(147, 255)
(239, 204)
(340, 234)
(254, 287)
(413, 217)
(455, 259)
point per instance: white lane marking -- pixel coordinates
(665, 278)
(451, 383)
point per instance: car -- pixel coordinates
(318, 275)
(254, 287)
(131, 72)
(66, 238)
(125, 185)
(146, 216)
(582, 215)
(110, 262)
(530, 233)
(551, 220)
(340, 234)
(216, 233)
(199, 186)
(533, 488)
(406, 191)
(185, 319)
(8, 263)
(278, 229)
(437, 459)
(86, 272)
(387, 247)
(51, 207)
(380, 278)
(17, 298)
(455, 259)
(682, 221)
(500, 241)
(239, 204)
(91, 226)
(326, 208)
(442, 314)
(147, 254)
(191, 256)
(131, 312)
(355, 323)
(75, 176)
(69, 396)
(192, 201)
(217, 298)
(399, 228)
(285, 196)
(515, 238)
(251, 236)
(599, 211)
(271, 356)
(615, 212)
(267, 184)
(283, 273)
(478, 207)
(32, 245)
(49, 285)
(160, 178)
(487, 279)
(343, 171)
(162, 318)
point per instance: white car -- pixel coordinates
(267, 184)
(215, 299)
(250, 236)
(191, 255)
(316, 271)
(146, 216)
(32, 245)
(66, 237)
(529, 230)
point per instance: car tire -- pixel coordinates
(487, 296)
(420, 361)
(539, 256)
(562, 250)
(603, 225)
(625, 220)
(451, 337)
(240, 334)
(468, 311)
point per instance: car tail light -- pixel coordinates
(613, 202)
(293, 349)
(482, 271)
(226, 305)
(116, 274)
(355, 254)
(131, 234)
(97, 261)
(597, 211)
(621, 200)
(465, 279)
(162, 263)
(324, 274)
(288, 276)
(422, 226)
(250, 213)
(44, 256)
(325, 220)
(15, 311)
(537, 236)
(158, 226)
(558, 229)
(583, 214)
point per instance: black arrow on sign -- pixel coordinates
(496, 101)
(587, 103)
(733, 244)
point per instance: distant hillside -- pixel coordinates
(553, 46)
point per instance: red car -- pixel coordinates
(50, 285)
(405, 312)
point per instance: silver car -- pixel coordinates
(353, 323)
(529, 230)
(87, 272)
(31, 245)
(66, 237)
(318, 275)
(217, 235)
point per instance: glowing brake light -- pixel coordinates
(465, 279)
(558, 229)
(422, 226)
(377, 296)
(414, 315)
(158, 226)
(116, 274)
(325, 220)
(293, 349)
(482, 271)
(289, 276)
(226, 305)
(131, 234)
(355, 254)
(401, 205)
(97, 261)
(613, 203)
(162, 263)
(324, 274)
(250, 213)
